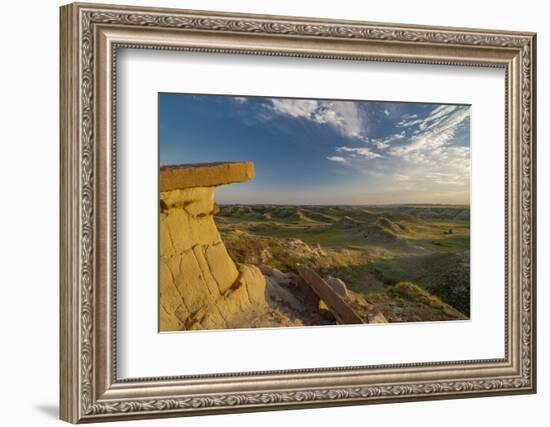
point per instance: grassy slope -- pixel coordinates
(373, 249)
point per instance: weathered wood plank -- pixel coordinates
(338, 307)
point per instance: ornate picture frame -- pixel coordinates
(90, 37)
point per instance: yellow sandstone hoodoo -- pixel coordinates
(200, 285)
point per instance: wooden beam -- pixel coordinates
(337, 306)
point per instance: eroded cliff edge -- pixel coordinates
(200, 285)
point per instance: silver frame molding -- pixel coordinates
(90, 37)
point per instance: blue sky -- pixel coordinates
(323, 151)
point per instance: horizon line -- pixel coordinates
(348, 204)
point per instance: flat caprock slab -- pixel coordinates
(175, 177)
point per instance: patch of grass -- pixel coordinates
(451, 243)
(247, 248)
(358, 277)
(408, 302)
(372, 249)
(446, 275)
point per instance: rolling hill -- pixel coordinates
(373, 249)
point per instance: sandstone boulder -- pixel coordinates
(378, 318)
(337, 285)
(200, 285)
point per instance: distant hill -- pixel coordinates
(361, 213)
(372, 248)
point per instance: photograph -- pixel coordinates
(294, 212)
(278, 209)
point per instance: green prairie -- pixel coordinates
(412, 261)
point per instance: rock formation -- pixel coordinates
(338, 286)
(200, 285)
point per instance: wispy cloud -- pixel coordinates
(362, 152)
(343, 116)
(431, 154)
(434, 132)
(240, 99)
(383, 143)
(432, 119)
(294, 107)
(424, 150)
(337, 159)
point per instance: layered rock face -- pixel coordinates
(200, 285)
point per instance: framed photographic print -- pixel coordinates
(265, 212)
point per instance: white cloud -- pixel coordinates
(422, 156)
(337, 159)
(294, 107)
(431, 156)
(408, 123)
(441, 111)
(363, 152)
(383, 143)
(344, 116)
(387, 112)
(240, 99)
(436, 131)
(435, 116)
